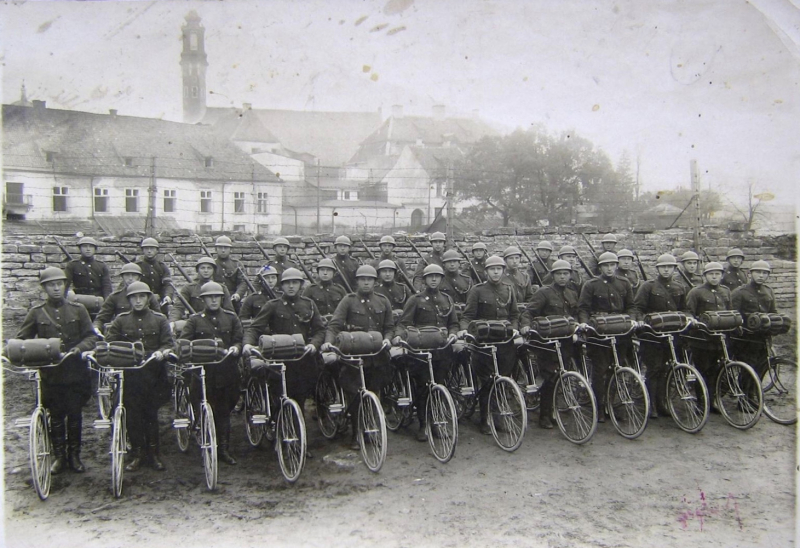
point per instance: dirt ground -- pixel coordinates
(721, 487)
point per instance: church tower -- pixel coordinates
(193, 66)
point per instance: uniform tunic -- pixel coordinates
(480, 267)
(706, 298)
(433, 257)
(252, 305)
(117, 303)
(695, 279)
(191, 293)
(540, 269)
(733, 277)
(229, 273)
(493, 301)
(348, 267)
(157, 276)
(631, 275)
(749, 299)
(552, 300)
(659, 295)
(396, 293)
(88, 277)
(575, 281)
(521, 282)
(281, 263)
(401, 264)
(326, 295)
(456, 285)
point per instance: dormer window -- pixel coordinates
(209, 161)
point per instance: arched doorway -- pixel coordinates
(416, 219)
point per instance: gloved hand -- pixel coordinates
(311, 349)
(246, 349)
(234, 350)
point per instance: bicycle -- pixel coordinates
(332, 409)
(287, 426)
(686, 391)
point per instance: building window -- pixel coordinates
(101, 200)
(194, 92)
(238, 202)
(205, 201)
(169, 201)
(239, 228)
(193, 42)
(439, 188)
(128, 161)
(49, 156)
(60, 198)
(14, 193)
(132, 200)
(203, 229)
(350, 195)
(262, 202)
(209, 162)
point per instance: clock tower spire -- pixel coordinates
(193, 67)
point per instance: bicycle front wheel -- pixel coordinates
(255, 411)
(739, 395)
(629, 404)
(462, 389)
(441, 423)
(397, 401)
(371, 431)
(528, 379)
(40, 452)
(208, 445)
(779, 385)
(118, 437)
(687, 397)
(575, 407)
(184, 414)
(291, 440)
(105, 391)
(331, 405)
(508, 416)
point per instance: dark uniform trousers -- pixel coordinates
(751, 348)
(146, 389)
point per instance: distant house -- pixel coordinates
(131, 173)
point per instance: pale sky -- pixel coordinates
(711, 80)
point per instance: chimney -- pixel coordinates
(438, 112)
(476, 114)
(112, 112)
(397, 111)
(39, 105)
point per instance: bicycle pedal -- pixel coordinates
(102, 424)
(531, 389)
(336, 408)
(691, 378)
(180, 423)
(23, 422)
(258, 419)
(104, 391)
(403, 402)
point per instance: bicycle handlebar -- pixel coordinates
(89, 356)
(413, 350)
(341, 354)
(257, 353)
(467, 337)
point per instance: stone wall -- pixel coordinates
(24, 256)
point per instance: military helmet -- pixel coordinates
(211, 288)
(387, 263)
(510, 251)
(149, 242)
(432, 269)
(667, 259)
(479, 245)
(387, 240)
(51, 273)
(88, 240)
(291, 274)
(495, 260)
(625, 253)
(437, 236)
(451, 255)
(609, 239)
(761, 265)
(137, 287)
(735, 252)
(560, 264)
(223, 241)
(366, 271)
(713, 266)
(326, 263)
(689, 256)
(131, 268)
(607, 257)
(567, 250)
(343, 240)
(205, 260)
(269, 270)
(281, 241)
(544, 244)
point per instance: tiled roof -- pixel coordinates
(436, 160)
(250, 128)
(100, 145)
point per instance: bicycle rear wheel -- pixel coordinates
(397, 401)
(687, 397)
(331, 405)
(739, 395)
(508, 416)
(184, 414)
(255, 411)
(441, 423)
(629, 404)
(575, 407)
(40, 452)
(463, 391)
(208, 445)
(118, 437)
(779, 385)
(105, 391)
(291, 440)
(529, 381)
(371, 431)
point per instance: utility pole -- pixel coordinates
(696, 190)
(318, 191)
(449, 195)
(150, 220)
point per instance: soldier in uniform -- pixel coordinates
(347, 264)
(689, 262)
(754, 297)
(607, 243)
(544, 250)
(568, 253)
(252, 304)
(493, 299)
(388, 287)
(117, 302)
(734, 275)
(662, 294)
(282, 261)
(229, 272)
(387, 245)
(606, 294)
(87, 275)
(205, 268)
(67, 388)
(363, 310)
(438, 241)
(325, 294)
(431, 308)
(222, 380)
(625, 269)
(556, 299)
(156, 273)
(148, 388)
(455, 284)
(519, 279)
(478, 261)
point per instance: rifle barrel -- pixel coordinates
(179, 267)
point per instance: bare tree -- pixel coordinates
(751, 212)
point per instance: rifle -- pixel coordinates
(370, 253)
(641, 268)
(263, 251)
(416, 249)
(586, 268)
(122, 256)
(338, 270)
(703, 251)
(686, 278)
(528, 257)
(303, 268)
(471, 266)
(205, 249)
(180, 269)
(250, 285)
(270, 292)
(63, 249)
(594, 251)
(181, 298)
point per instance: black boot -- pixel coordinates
(58, 433)
(652, 391)
(154, 447)
(225, 439)
(546, 406)
(74, 431)
(136, 460)
(421, 434)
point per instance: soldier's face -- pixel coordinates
(291, 287)
(433, 280)
(690, 266)
(205, 271)
(571, 259)
(149, 252)
(513, 261)
(325, 274)
(87, 250)
(281, 249)
(386, 274)
(736, 262)
(544, 253)
(479, 253)
(561, 277)
(139, 301)
(609, 246)
(608, 269)
(223, 251)
(365, 283)
(759, 276)
(665, 271)
(54, 289)
(438, 245)
(272, 280)
(495, 273)
(451, 266)
(386, 249)
(625, 263)
(714, 277)
(342, 249)
(128, 278)
(213, 302)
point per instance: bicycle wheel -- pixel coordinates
(508, 417)
(779, 385)
(105, 391)
(208, 445)
(255, 411)
(371, 431)
(529, 381)
(331, 405)
(629, 404)
(40, 451)
(462, 389)
(441, 423)
(739, 395)
(291, 440)
(687, 397)
(184, 414)
(575, 407)
(118, 436)
(396, 401)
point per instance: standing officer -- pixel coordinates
(148, 388)
(205, 268)
(544, 249)
(514, 275)
(754, 297)
(156, 273)
(568, 253)
(734, 275)
(387, 245)
(606, 294)
(431, 308)
(478, 261)
(117, 302)
(325, 294)
(689, 263)
(438, 241)
(625, 269)
(229, 272)
(282, 261)
(388, 287)
(493, 299)
(347, 264)
(222, 380)
(87, 275)
(455, 284)
(556, 299)
(65, 389)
